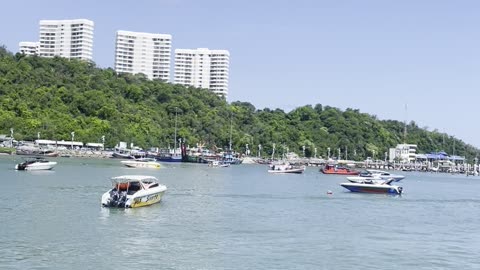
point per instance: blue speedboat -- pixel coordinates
(374, 187)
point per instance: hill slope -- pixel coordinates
(57, 96)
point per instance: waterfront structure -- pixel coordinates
(203, 68)
(28, 48)
(403, 153)
(146, 53)
(66, 38)
(440, 156)
(51, 144)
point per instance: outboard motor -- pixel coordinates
(114, 200)
(117, 198)
(400, 189)
(22, 166)
(122, 199)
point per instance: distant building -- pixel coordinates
(403, 153)
(28, 48)
(203, 68)
(145, 53)
(50, 144)
(95, 146)
(66, 38)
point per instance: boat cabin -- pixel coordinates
(133, 184)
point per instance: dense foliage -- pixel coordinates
(57, 96)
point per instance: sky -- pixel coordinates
(378, 56)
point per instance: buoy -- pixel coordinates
(329, 192)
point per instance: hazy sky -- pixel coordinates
(375, 56)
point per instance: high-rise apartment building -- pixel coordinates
(66, 38)
(145, 53)
(28, 48)
(203, 68)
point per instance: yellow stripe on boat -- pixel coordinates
(147, 200)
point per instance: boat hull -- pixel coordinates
(295, 171)
(36, 167)
(363, 179)
(170, 159)
(122, 156)
(136, 164)
(340, 172)
(146, 200)
(396, 178)
(386, 175)
(139, 199)
(372, 188)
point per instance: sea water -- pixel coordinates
(239, 217)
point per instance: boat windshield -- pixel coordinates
(33, 160)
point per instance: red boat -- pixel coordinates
(334, 169)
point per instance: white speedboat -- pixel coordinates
(373, 187)
(385, 175)
(131, 191)
(216, 163)
(35, 164)
(364, 179)
(286, 168)
(142, 163)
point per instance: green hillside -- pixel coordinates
(57, 96)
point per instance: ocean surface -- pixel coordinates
(234, 218)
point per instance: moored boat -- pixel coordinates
(286, 168)
(122, 155)
(217, 163)
(231, 158)
(364, 179)
(170, 158)
(335, 169)
(374, 187)
(132, 191)
(141, 163)
(35, 164)
(384, 175)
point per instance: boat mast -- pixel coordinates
(230, 143)
(454, 146)
(273, 151)
(175, 149)
(405, 127)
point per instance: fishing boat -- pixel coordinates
(170, 158)
(142, 163)
(231, 158)
(35, 164)
(132, 191)
(384, 187)
(286, 168)
(335, 169)
(173, 157)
